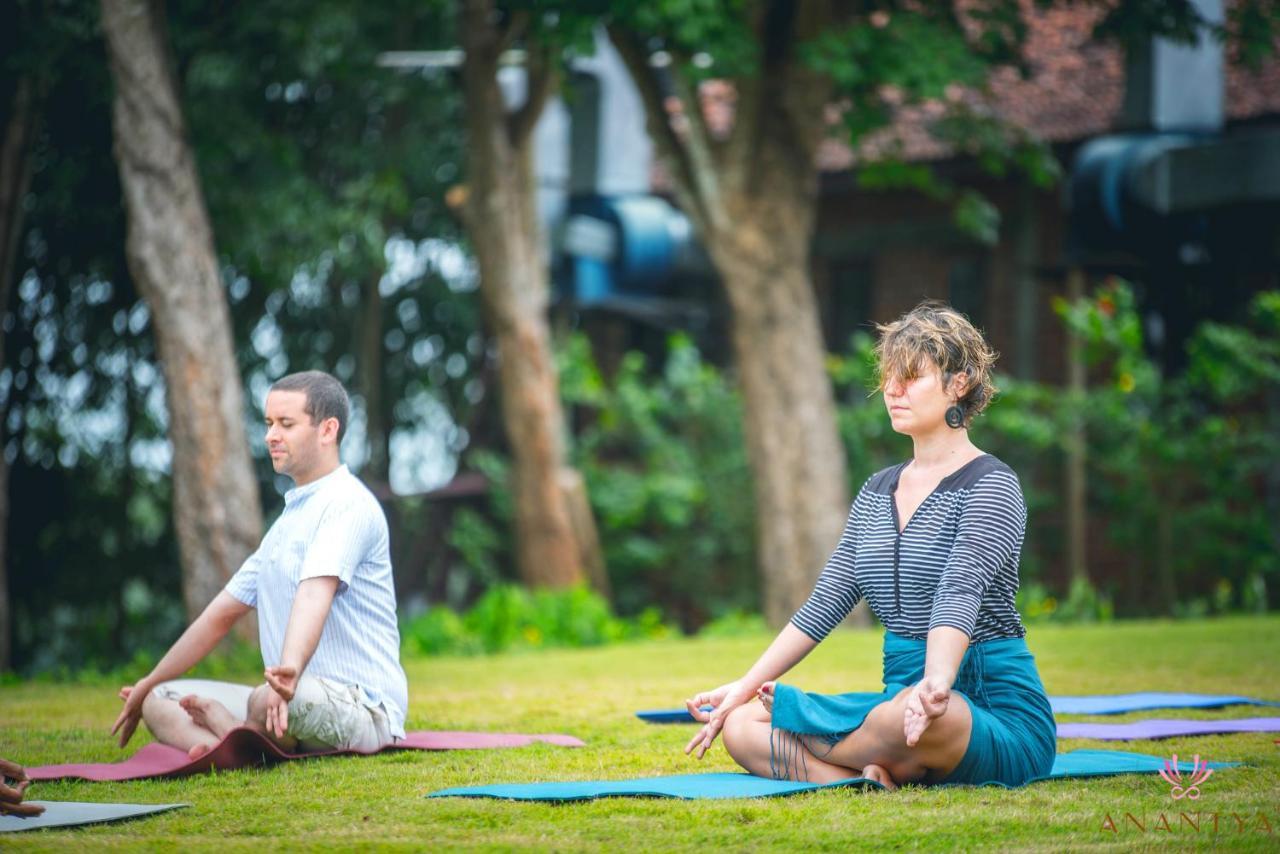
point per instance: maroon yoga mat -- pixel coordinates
(244, 747)
(1156, 728)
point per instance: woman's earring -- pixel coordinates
(954, 416)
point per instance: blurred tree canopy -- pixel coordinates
(324, 178)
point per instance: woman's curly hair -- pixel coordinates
(934, 332)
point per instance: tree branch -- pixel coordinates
(703, 157)
(15, 178)
(792, 99)
(542, 78)
(706, 210)
(744, 135)
(515, 30)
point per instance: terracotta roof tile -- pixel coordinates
(1074, 91)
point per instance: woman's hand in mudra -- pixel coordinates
(723, 700)
(926, 702)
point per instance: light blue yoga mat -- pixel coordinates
(1077, 763)
(1103, 704)
(1116, 704)
(72, 813)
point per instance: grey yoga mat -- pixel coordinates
(72, 813)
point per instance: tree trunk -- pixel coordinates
(1026, 234)
(15, 178)
(503, 228)
(1076, 444)
(797, 461)
(753, 198)
(377, 430)
(172, 260)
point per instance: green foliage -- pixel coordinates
(920, 54)
(510, 617)
(734, 624)
(1177, 463)
(666, 469)
(1238, 364)
(1251, 30)
(438, 631)
(478, 543)
(1082, 604)
(716, 32)
(1176, 466)
(668, 480)
(321, 172)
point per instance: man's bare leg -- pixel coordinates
(171, 724)
(258, 719)
(210, 714)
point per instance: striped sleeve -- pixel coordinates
(836, 591)
(345, 536)
(989, 534)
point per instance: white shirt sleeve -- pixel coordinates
(244, 584)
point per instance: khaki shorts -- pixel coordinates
(323, 714)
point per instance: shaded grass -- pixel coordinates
(349, 803)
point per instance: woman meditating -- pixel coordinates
(932, 544)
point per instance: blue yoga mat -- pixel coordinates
(1105, 704)
(1116, 704)
(669, 716)
(1077, 763)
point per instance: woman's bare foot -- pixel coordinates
(766, 696)
(209, 714)
(879, 775)
(198, 750)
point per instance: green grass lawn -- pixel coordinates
(353, 802)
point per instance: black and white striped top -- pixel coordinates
(955, 564)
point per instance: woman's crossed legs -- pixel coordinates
(877, 750)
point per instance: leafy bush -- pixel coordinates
(1178, 465)
(511, 617)
(666, 468)
(1083, 604)
(664, 457)
(734, 624)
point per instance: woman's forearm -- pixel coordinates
(944, 650)
(787, 650)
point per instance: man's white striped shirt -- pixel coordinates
(332, 526)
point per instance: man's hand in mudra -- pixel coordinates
(284, 684)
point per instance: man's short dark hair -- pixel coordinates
(326, 398)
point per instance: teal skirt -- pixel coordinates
(1014, 736)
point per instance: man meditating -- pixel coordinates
(321, 582)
